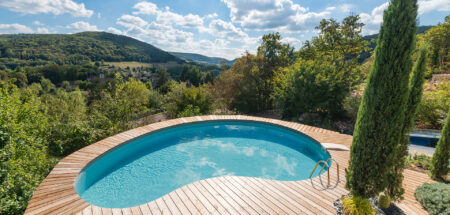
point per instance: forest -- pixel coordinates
(53, 103)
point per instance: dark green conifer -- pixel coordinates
(395, 177)
(441, 157)
(381, 114)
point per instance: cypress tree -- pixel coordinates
(441, 157)
(381, 114)
(395, 177)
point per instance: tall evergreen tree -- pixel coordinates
(381, 114)
(441, 158)
(395, 178)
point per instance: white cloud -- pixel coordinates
(224, 29)
(432, 5)
(82, 26)
(280, 15)
(373, 20)
(114, 30)
(131, 21)
(37, 23)
(14, 28)
(42, 31)
(168, 17)
(56, 7)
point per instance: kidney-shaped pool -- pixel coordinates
(153, 165)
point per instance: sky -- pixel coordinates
(219, 28)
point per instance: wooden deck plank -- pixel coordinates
(225, 200)
(179, 203)
(154, 208)
(163, 207)
(216, 182)
(187, 202)
(275, 204)
(248, 197)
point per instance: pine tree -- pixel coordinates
(395, 177)
(441, 157)
(381, 114)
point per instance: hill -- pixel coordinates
(373, 43)
(40, 49)
(203, 59)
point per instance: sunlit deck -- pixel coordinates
(222, 195)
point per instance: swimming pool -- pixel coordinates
(151, 166)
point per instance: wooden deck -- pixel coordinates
(223, 195)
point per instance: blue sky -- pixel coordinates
(223, 28)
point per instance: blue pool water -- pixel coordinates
(151, 166)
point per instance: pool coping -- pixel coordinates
(56, 194)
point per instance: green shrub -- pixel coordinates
(384, 201)
(440, 161)
(434, 197)
(419, 160)
(357, 206)
(434, 107)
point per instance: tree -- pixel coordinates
(327, 71)
(24, 160)
(21, 79)
(441, 157)
(310, 87)
(244, 86)
(381, 115)
(415, 89)
(340, 44)
(193, 101)
(162, 77)
(438, 38)
(276, 53)
(3, 76)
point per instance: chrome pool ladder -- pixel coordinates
(328, 166)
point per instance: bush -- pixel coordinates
(384, 201)
(434, 197)
(419, 160)
(357, 206)
(434, 107)
(440, 161)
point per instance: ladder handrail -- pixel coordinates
(328, 166)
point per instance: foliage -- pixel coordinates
(248, 85)
(357, 206)
(434, 197)
(23, 159)
(189, 110)
(419, 160)
(339, 44)
(381, 113)
(192, 74)
(327, 71)
(440, 163)
(41, 49)
(384, 201)
(189, 101)
(434, 107)
(243, 86)
(415, 89)
(438, 39)
(311, 87)
(121, 103)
